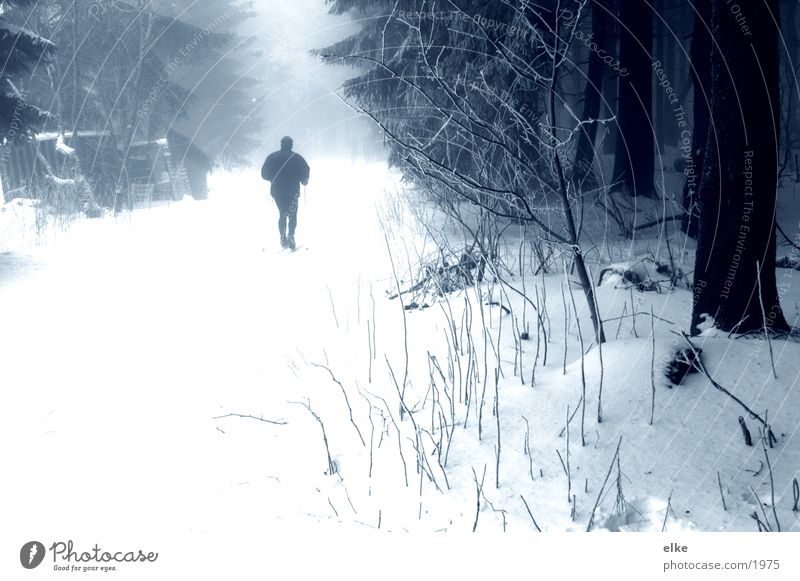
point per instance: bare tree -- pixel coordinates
(475, 114)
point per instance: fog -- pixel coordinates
(300, 90)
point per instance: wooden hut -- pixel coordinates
(159, 169)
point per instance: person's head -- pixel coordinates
(287, 143)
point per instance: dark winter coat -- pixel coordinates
(286, 170)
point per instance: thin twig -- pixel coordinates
(260, 419)
(666, 512)
(583, 365)
(603, 487)
(771, 486)
(764, 319)
(346, 400)
(721, 493)
(789, 240)
(331, 464)
(530, 513)
(652, 368)
(497, 420)
(705, 372)
(763, 512)
(479, 489)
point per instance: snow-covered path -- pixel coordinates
(128, 346)
(120, 348)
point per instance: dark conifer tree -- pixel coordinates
(592, 95)
(633, 161)
(400, 45)
(737, 192)
(130, 74)
(790, 105)
(701, 81)
(20, 50)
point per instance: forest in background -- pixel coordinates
(120, 73)
(527, 113)
(524, 109)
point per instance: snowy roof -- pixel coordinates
(161, 141)
(15, 30)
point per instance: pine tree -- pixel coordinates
(20, 51)
(419, 68)
(585, 152)
(633, 161)
(701, 80)
(131, 74)
(220, 115)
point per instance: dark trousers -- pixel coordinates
(288, 213)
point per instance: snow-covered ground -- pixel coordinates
(131, 347)
(124, 338)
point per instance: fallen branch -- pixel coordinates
(248, 416)
(637, 314)
(505, 309)
(656, 222)
(705, 372)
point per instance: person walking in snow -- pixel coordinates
(286, 170)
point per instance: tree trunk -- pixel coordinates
(75, 74)
(692, 153)
(661, 111)
(569, 219)
(674, 30)
(789, 94)
(633, 160)
(608, 109)
(737, 191)
(592, 96)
